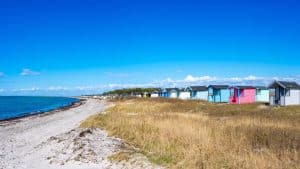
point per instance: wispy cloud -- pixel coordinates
(168, 82)
(28, 72)
(206, 80)
(190, 78)
(27, 89)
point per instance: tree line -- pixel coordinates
(130, 91)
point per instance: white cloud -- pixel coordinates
(252, 78)
(54, 88)
(190, 78)
(207, 80)
(235, 79)
(168, 82)
(28, 72)
(1, 74)
(27, 89)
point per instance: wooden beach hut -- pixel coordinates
(163, 93)
(154, 94)
(262, 94)
(184, 94)
(172, 92)
(242, 94)
(218, 93)
(284, 93)
(198, 92)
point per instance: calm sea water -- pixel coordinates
(19, 106)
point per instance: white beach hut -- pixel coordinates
(172, 92)
(184, 94)
(198, 92)
(284, 93)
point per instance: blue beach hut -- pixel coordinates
(262, 94)
(218, 93)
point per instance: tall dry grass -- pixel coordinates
(193, 134)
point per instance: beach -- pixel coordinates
(55, 140)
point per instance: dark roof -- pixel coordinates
(289, 84)
(261, 87)
(286, 84)
(169, 89)
(243, 87)
(198, 88)
(219, 86)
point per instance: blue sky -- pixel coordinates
(87, 46)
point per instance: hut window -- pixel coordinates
(217, 92)
(287, 92)
(258, 91)
(272, 92)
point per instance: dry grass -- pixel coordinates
(193, 134)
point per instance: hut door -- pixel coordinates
(277, 95)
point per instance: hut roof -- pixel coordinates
(243, 87)
(286, 84)
(261, 87)
(170, 89)
(198, 88)
(219, 86)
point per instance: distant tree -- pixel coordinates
(129, 91)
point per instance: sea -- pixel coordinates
(21, 106)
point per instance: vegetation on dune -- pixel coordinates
(129, 91)
(193, 134)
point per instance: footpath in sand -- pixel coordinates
(55, 141)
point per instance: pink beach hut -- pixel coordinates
(242, 94)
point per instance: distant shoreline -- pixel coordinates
(43, 113)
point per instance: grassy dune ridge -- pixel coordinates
(194, 134)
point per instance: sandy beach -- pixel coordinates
(56, 141)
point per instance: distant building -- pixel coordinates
(198, 92)
(154, 94)
(242, 94)
(137, 94)
(184, 94)
(218, 93)
(172, 92)
(262, 94)
(163, 93)
(284, 93)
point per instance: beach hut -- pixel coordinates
(184, 94)
(262, 94)
(242, 94)
(169, 92)
(137, 94)
(218, 93)
(154, 94)
(284, 93)
(198, 92)
(163, 93)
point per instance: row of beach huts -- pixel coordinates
(281, 93)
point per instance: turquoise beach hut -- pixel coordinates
(262, 94)
(218, 93)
